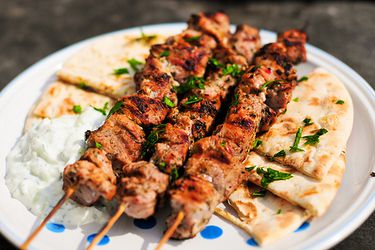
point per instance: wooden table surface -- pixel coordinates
(30, 30)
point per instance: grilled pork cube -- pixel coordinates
(197, 199)
(295, 41)
(120, 137)
(141, 187)
(246, 41)
(171, 151)
(91, 177)
(216, 25)
(143, 110)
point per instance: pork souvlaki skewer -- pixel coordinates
(144, 183)
(119, 140)
(215, 167)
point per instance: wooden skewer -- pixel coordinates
(66, 196)
(107, 227)
(171, 230)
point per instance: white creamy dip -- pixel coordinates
(36, 163)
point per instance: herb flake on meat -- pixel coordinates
(152, 139)
(193, 99)
(257, 143)
(168, 102)
(118, 105)
(193, 82)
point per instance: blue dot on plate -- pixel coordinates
(56, 228)
(103, 241)
(148, 223)
(304, 226)
(211, 232)
(251, 242)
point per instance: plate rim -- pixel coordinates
(355, 218)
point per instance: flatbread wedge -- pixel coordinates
(314, 195)
(266, 218)
(320, 103)
(60, 98)
(94, 66)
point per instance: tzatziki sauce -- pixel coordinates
(36, 163)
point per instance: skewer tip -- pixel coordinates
(171, 230)
(69, 192)
(106, 228)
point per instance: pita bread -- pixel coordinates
(311, 194)
(266, 218)
(59, 99)
(319, 100)
(94, 65)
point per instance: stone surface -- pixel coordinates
(30, 30)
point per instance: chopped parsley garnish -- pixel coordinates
(271, 175)
(307, 122)
(260, 193)
(265, 85)
(193, 99)
(165, 53)
(295, 99)
(168, 102)
(314, 139)
(174, 174)
(281, 153)
(120, 71)
(248, 169)
(279, 211)
(192, 39)
(303, 78)
(102, 110)
(193, 82)
(215, 62)
(233, 70)
(115, 108)
(223, 143)
(134, 64)
(295, 147)
(257, 143)
(340, 102)
(235, 100)
(77, 109)
(98, 145)
(152, 139)
(162, 165)
(146, 38)
(82, 85)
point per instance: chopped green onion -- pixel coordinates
(294, 147)
(193, 99)
(168, 102)
(281, 153)
(307, 122)
(340, 102)
(98, 145)
(314, 139)
(270, 175)
(120, 71)
(165, 53)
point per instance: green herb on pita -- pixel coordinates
(270, 175)
(77, 109)
(314, 139)
(281, 153)
(135, 64)
(303, 78)
(340, 102)
(295, 99)
(249, 169)
(294, 147)
(307, 122)
(120, 71)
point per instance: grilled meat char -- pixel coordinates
(215, 167)
(192, 120)
(122, 135)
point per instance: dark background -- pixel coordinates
(32, 29)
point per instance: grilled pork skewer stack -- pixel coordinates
(119, 141)
(215, 167)
(142, 186)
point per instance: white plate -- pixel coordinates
(353, 204)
